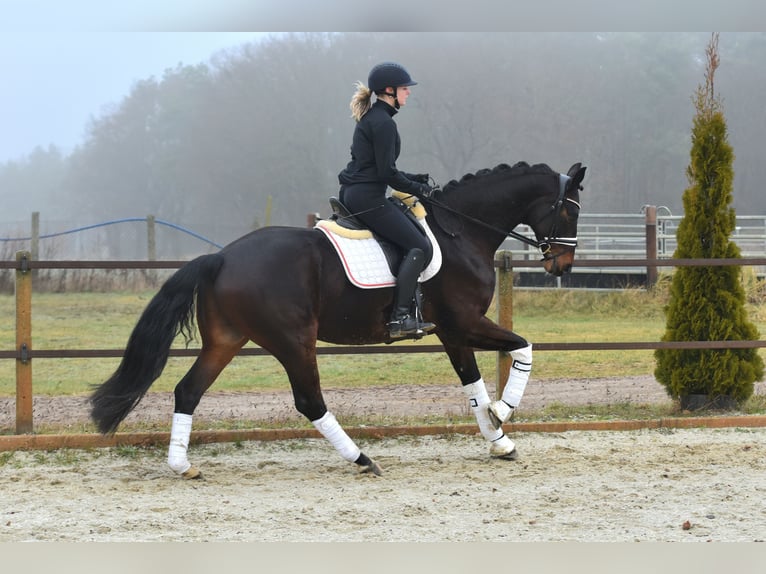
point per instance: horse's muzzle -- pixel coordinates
(559, 263)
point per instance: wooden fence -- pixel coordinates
(24, 353)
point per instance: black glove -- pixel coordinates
(422, 190)
(421, 177)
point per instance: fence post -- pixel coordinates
(35, 241)
(34, 245)
(504, 298)
(651, 244)
(269, 202)
(151, 238)
(23, 343)
(151, 249)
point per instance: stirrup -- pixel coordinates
(409, 327)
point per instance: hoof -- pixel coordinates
(513, 455)
(372, 468)
(192, 474)
(503, 448)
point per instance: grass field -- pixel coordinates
(105, 320)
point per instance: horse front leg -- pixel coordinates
(463, 360)
(492, 337)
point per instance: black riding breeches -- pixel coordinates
(367, 201)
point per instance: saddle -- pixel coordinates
(369, 260)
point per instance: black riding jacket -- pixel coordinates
(375, 148)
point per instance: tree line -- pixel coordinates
(257, 134)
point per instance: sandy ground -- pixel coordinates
(573, 486)
(649, 485)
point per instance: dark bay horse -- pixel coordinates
(284, 288)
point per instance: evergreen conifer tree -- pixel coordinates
(708, 303)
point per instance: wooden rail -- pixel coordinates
(24, 353)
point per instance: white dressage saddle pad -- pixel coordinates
(363, 258)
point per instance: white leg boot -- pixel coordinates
(500, 411)
(330, 429)
(500, 445)
(179, 445)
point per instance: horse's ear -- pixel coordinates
(573, 170)
(577, 173)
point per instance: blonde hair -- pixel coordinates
(361, 101)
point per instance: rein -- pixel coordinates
(545, 245)
(514, 234)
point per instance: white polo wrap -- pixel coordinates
(478, 399)
(332, 431)
(179, 443)
(518, 376)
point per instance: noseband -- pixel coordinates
(552, 238)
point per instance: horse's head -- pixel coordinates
(555, 223)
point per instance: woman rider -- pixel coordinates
(375, 148)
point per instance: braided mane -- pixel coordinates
(519, 168)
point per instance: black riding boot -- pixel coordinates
(405, 319)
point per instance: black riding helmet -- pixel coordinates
(389, 74)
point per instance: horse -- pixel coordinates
(284, 288)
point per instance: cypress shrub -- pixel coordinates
(708, 303)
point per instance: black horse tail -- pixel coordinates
(168, 314)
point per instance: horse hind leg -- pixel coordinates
(301, 368)
(188, 393)
(329, 428)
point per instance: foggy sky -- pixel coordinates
(61, 79)
(88, 53)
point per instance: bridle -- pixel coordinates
(546, 244)
(552, 238)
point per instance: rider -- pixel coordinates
(375, 148)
